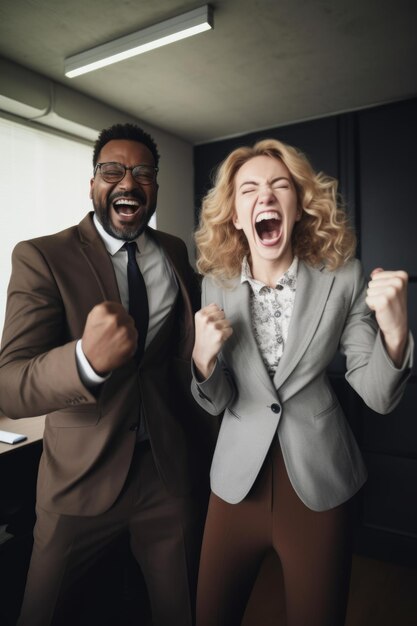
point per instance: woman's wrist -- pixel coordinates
(203, 369)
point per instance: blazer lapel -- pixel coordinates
(313, 286)
(97, 257)
(243, 342)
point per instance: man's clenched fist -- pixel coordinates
(110, 338)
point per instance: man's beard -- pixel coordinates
(128, 232)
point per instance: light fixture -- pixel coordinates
(180, 27)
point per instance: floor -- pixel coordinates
(381, 594)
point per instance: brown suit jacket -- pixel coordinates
(89, 439)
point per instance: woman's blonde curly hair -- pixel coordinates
(322, 235)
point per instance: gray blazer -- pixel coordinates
(321, 455)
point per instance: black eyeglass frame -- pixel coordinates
(131, 169)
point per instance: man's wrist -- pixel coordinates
(88, 375)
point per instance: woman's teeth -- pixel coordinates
(268, 225)
(267, 215)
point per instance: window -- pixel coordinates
(44, 188)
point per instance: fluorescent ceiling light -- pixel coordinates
(180, 27)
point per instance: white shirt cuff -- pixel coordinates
(88, 376)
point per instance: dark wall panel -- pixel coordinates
(387, 179)
(396, 433)
(412, 308)
(318, 139)
(390, 494)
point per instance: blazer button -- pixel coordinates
(134, 427)
(275, 408)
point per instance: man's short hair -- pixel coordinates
(125, 131)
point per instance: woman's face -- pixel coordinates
(266, 210)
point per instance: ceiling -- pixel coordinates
(266, 63)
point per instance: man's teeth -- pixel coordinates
(267, 215)
(126, 206)
(126, 202)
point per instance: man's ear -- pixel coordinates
(91, 188)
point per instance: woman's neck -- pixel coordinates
(269, 272)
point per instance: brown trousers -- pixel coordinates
(313, 547)
(165, 539)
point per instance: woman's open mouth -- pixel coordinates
(268, 226)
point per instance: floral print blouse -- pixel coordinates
(271, 310)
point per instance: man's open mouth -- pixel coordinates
(268, 227)
(126, 207)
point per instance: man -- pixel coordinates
(123, 446)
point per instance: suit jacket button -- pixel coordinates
(134, 427)
(275, 408)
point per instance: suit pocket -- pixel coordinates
(335, 302)
(233, 413)
(81, 417)
(330, 409)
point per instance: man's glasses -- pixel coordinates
(115, 172)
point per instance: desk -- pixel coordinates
(32, 427)
(18, 471)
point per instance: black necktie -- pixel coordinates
(138, 299)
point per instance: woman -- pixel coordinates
(281, 295)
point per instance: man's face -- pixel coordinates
(124, 208)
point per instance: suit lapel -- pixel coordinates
(97, 257)
(183, 309)
(172, 255)
(313, 286)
